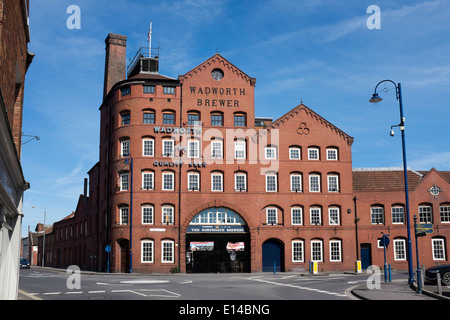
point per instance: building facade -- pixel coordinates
(14, 62)
(190, 180)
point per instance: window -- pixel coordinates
(399, 249)
(167, 214)
(313, 154)
(167, 251)
(438, 247)
(398, 214)
(216, 149)
(167, 181)
(377, 215)
(314, 183)
(335, 251)
(193, 181)
(149, 117)
(148, 147)
(194, 119)
(315, 216)
(332, 154)
(272, 216)
(125, 91)
(169, 90)
(271, 183)
(123, 212)
(425, 214)
(148, 180)
(297, 216)
(271, 152)
(333, 183)
(123, 181)
(216, 182)
(124, 148)
(149, 89)
(125, 118)
(296, 182)
(239, 149)
(294, 153)
(168, 118)
(216, 119)
(333, 216)
(316, 250)
(298, 251)
(168, 148)
(193, 149)
(147, 214)
(239, 121)
(240, 182)
(147, 251)
(445, 213)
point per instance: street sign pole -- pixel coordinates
(385, 242)
(420, 230)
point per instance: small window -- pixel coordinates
(240, 182)
(216, 182)
(216, 149)
(296, 216)
(271, 183)
(168, 148)
(169, 90)
(377, 215)
(124, 148)
(294, 153)
(149, 117)
(272, 216)
(332, 154)
(239, 149)
(125, 91)
(193, 149)
(125, 118)
(315, 216)
(239, 121)
(147, 214)
(193, 181)
(271, 153)
(314, 183)
(296, 183)
(193, 119)
(148, 147)
(168, 181)
(313, 154)
(149, 89)
(216, 119)
(167, 215)
(148, 180)
(168, 118)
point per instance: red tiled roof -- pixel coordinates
(383, 180)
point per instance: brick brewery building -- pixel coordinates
(189, 178)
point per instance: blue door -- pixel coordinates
(272, 255)
(366, 255)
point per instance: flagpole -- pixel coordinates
(150, 41)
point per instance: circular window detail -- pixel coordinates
(435, 190)
(217, 74)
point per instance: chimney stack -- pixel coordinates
(85, 187)
(115, 61)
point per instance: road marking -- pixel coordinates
(131, 291)
(73, 292)
(144, 281)
(98, 291)
(51, 293)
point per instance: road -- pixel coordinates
(49, 284)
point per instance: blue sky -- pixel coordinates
(318, 51)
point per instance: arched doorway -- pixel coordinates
(273, 255)
(124, 255)
(217, 240)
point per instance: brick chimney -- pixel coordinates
(115, 61)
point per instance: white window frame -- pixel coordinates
(124, 181)
(376, 212)
(171, 251)
(300, 216)
(313, 153)
(269, 216)
(192, 183)
(124, 216)
(298, 249)
(316, 244)
(167, 214)
(425, 211)
(399, 246)
(331, 183)
(311, 183)
(151, 180)
(214, 185)
(243, 176)
(332, 221)
(172, 148)
(444, 213)
(330, 152)
(147, 249)
(335, 245)
(240, 149)
(299, 176)
(393, 213)
(275, 182)
(148, 151)
(295, 149)
(438, 242)
(270, 153)
(318, 213)
(193, 149)
(148, 216)
(172, 182)
(124, 148)
(217, 149)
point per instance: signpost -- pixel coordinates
(108, 250)
(420, 230)
(385, 242)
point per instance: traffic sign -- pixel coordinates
(108, 248)
(426, 228)
(384, 241)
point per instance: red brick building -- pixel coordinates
(190, 179)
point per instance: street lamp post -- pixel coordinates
(375, 99)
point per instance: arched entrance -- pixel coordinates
(124, 255)
(273, 255)
(217, 240)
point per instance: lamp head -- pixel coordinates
(392, 133)
(375, 98)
